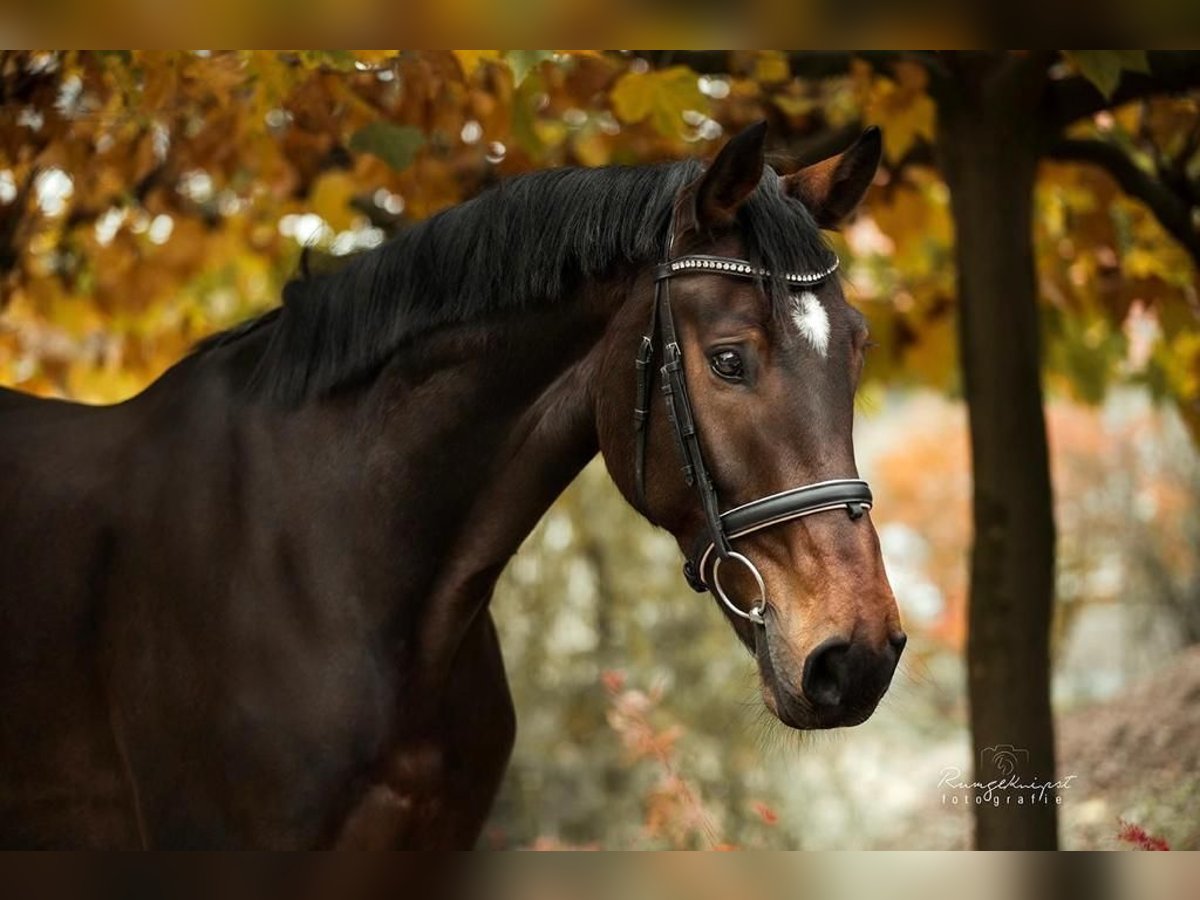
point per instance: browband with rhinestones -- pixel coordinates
(740, 268)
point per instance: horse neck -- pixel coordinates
(503, 417)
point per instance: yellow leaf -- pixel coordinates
(470, 60)
(593, 148)
(330, 199)
(1103, 68)
(771, 66)
(551, 132)
(933, 359)
(660, 96)
(902, 108)
(1183, 366)
(918, 223)
(1139, 262)
(795, 106)
(272, 82)
(75, 315)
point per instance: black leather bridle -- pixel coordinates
(702, 566)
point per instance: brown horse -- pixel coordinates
(249, 607)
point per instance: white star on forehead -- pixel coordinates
(811, 320)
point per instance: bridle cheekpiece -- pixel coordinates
(703, 566)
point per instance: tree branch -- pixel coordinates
(1172, 212)
(1074, 98)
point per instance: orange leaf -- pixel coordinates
(768, 815)
(613, 680)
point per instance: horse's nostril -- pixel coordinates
(898, 641)
(825, 673)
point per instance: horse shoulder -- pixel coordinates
(435, 790)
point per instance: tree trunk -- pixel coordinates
(988, 147)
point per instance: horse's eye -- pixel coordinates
(728, 364)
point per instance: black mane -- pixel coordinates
(527, 241)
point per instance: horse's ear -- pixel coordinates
(730, 178)
(833, 188)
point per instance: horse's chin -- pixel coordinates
(793, 712)
(802, 717)
(791, 709)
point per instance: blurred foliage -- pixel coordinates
(1127, 485)
(595, 592)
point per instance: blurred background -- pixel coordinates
(150, 198)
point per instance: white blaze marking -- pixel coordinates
(811, 320)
